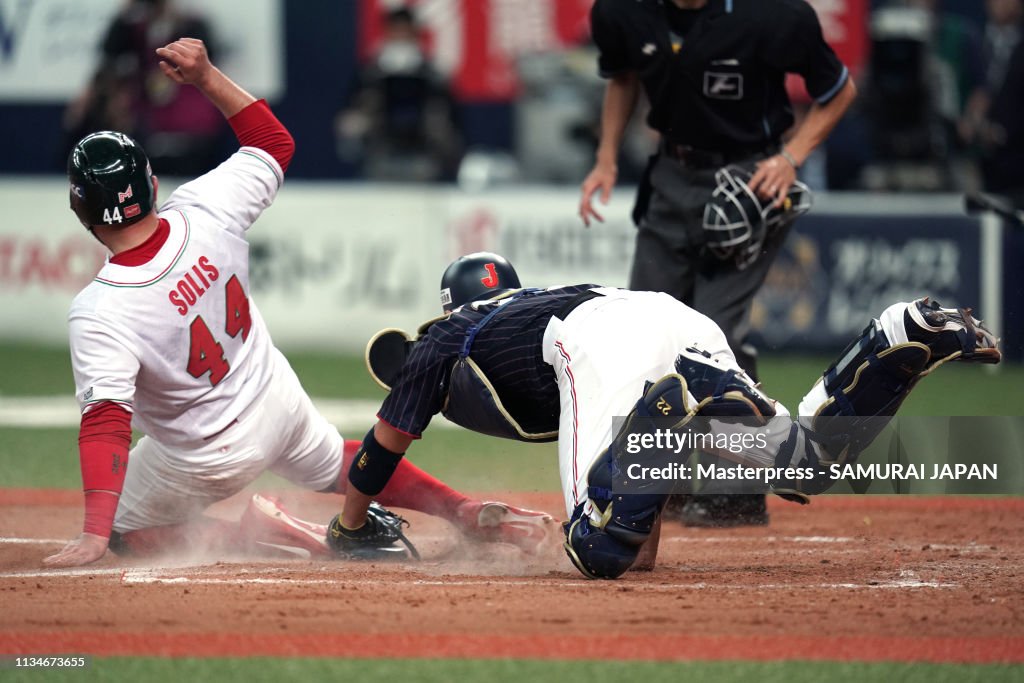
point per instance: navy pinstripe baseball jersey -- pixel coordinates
(507, 349)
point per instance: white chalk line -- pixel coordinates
(15, 540)
(149, 576)
(456, 583)
(61, 573)
(759, 539)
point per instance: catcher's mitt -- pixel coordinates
(385, 355)
(376, 540)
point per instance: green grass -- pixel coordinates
(27, 370)
(48, 458)
(952, 390)
(335, 376)
(39, 458)
(259, 669)
(34, 371)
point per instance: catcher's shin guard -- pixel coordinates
(595, 552)
(868, 383)
(721, 392)
(606, 543)
(847, 408)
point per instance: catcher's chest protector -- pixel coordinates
(472, 400)
(474, 403)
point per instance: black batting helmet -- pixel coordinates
(111, 181)
(474, 277)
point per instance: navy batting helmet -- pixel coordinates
(111, 181)
(474, 277)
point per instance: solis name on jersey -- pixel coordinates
(189, 289)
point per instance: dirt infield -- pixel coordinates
(846, 578)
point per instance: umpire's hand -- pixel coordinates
(773, 178)
(601, 178)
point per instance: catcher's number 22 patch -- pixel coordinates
(723, 86)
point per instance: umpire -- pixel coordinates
(714, 73)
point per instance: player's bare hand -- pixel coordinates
(601, 178)
(85, 549)
(772, 179)
(185, 61)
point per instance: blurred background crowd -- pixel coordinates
(477, 93)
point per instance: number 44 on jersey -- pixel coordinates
(206, 354)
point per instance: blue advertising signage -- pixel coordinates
(836, 272)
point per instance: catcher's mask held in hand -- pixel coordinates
(737, 221)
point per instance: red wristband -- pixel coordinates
(100, 507)
(103, 442)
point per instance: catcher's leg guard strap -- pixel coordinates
(372, 466)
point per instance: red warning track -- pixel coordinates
(847, 578)
(652, 647)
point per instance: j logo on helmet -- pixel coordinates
(492, 276)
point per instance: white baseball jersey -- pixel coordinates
(177, 340)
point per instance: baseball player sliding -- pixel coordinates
(167, 338)
(560, 363)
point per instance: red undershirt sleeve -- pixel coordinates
(256, 126)
(104, 438)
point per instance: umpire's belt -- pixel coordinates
(707, 159)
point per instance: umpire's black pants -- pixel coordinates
(670, 254)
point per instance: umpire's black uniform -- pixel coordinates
(715, 80)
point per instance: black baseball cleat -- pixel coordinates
(722, 510)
